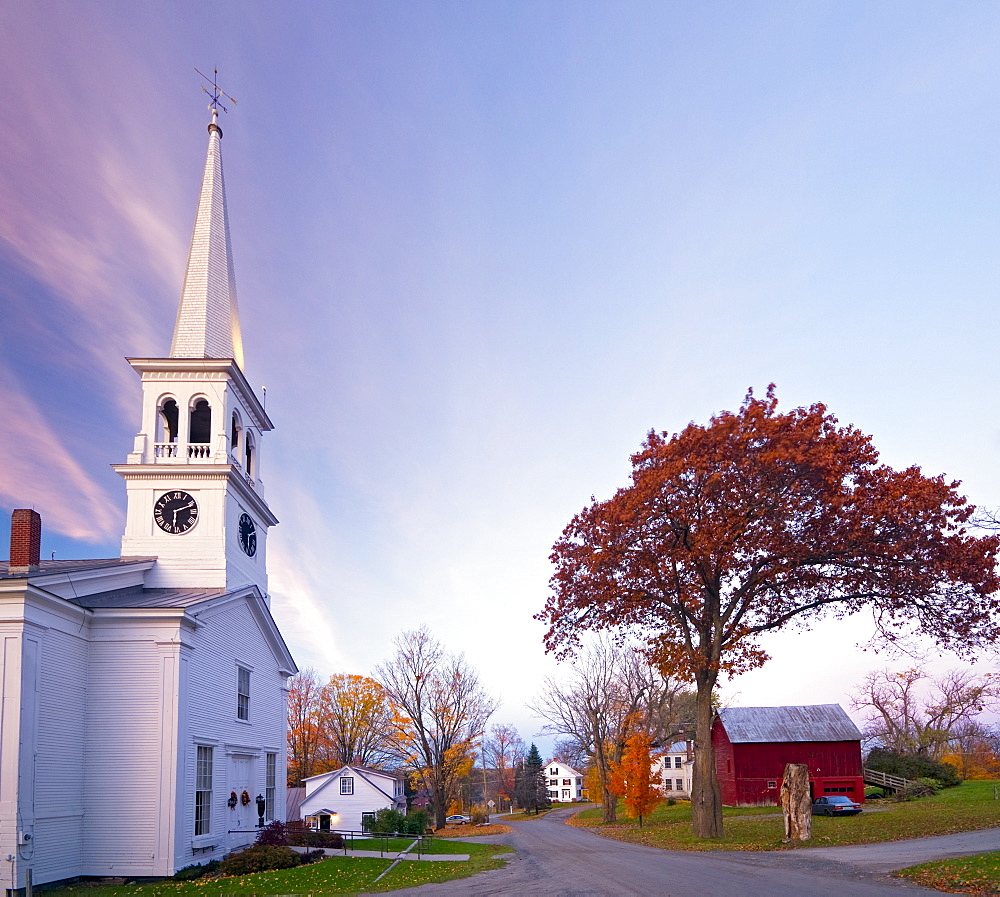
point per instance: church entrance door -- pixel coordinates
(243, 816)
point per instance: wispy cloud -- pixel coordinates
(37, 470)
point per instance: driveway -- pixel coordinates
(557, 859)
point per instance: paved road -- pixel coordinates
(557, 860)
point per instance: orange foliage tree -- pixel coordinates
(632, 778)
(759, 520)
(303, 730)
(354, 716)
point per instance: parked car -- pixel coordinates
(835, 805)
(458, 819)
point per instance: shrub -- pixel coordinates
(298, 835)
(191, 873)
(912, 766)
(259, 858)
(479, 815)
(273, 834)
(417, 822)
(311, 856)
(671, 801)
(387, 822)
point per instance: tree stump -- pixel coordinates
(796, 804)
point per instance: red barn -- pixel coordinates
(753, 744)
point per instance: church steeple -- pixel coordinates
(208, 321)
(195, 496)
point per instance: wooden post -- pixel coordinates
(796, 805)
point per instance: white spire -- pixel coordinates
(208, 321)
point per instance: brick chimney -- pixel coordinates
(25, 541)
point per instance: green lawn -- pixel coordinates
(978, 874)
(967, 807)
(336, 875)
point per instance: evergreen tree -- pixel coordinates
(530, 784)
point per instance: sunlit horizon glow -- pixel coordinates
(480, 252)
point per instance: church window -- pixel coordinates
(203, 791)
(166, 423)
(242, 693)
(234, 438)
(270, 767)
(249, 452)
(201, 422)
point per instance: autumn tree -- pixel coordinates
(608, 686)
(354, 718)
(502, 749)
(755, 522)
(303, 730)
(911, 712)
(441, 713)
(632, 777)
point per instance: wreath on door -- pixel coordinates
(245, 798)
(232, 800)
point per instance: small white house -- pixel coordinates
(347, 799)
(565, 783)
(674, 769)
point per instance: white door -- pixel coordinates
(242, 817)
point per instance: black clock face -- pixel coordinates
(175, 512)
(248, 535)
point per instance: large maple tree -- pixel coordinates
(754, 522)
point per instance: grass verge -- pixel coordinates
(964, 808)
(978, 874)
(336, 875)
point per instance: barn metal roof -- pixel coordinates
(811, 722)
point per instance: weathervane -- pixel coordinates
(215, 93)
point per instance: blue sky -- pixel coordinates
(481, 249)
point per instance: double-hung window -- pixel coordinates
(270, 766)
(242, 693)
(347, 785)
(203, 791)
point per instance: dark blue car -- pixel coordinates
(835, 805)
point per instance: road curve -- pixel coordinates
(560, 860)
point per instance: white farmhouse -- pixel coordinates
(347, 799)
(565, 783)
(143, 705)
(674, 769)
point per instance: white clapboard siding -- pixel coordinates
(53, 804)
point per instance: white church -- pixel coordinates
(143, 722)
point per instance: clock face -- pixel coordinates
(175, 512)
(248, 535)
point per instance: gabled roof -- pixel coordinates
(810, 722)
(364, 773)
(567, 769)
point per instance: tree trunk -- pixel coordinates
(796, 805)
(706, 797)
(609, 800)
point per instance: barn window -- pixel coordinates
(203, 791)
(772, 783)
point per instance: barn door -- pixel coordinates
(243, 817)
